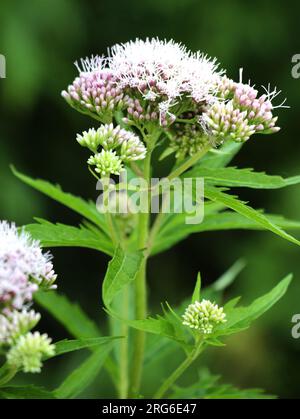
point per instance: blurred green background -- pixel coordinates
(41, 40)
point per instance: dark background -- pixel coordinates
(41, 40)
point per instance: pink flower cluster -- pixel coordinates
(146, 79)
(23, 267)
(152, 84)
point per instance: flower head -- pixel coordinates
(163, 69)
(23, 267)
(203, 316)
(94, 91)
(187, 140)
(15, 324)
(29, 350)
(118, 146)
(107, 162)
(225, 122)
(151, 83)
(146, 78)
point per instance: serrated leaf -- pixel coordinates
(232, 202)
(79, 205)
(84, 375)
(25, 392)
(122, 270)
(62, 235)
(235, 177)
(239, 318)
(227, 220)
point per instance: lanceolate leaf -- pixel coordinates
(79, 205)
(122, 270)
(232, 176)
(66, 346)
(239, 318)
(232, 202)
(61, 235)
(84, 375)
(226, 220)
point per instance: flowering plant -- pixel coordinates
(145, 96)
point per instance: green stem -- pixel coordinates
(190, 162)
(124, 382)
(141, 292)
(177, 373)
(156, 226)
(108, 216)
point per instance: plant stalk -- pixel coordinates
(189, 163)
(124, 346)
(178, 372)
(141, 292)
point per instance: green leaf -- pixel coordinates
(239, 318)
(25, 392)
(61, 235)
(234, 177)
(84, 375)
(208, 386)
(122, 270)
(169, 325)
(73, 318)
(229, 220)
(222, 156)
(196, 293)
(69, 314)
(232, 202)
(79, 205)
(66, 346)
(158, 326)
(226, 220)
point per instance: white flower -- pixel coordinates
(107, 162)
(29, 351)
(164, 68)
(23, 267)
(15, 324)
(203, 316)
